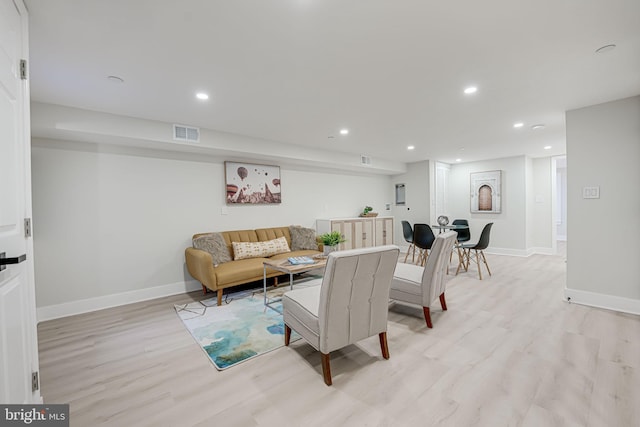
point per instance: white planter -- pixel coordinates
(328, 249)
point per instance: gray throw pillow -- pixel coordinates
(303, 238)
(214, 244)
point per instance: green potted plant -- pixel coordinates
(331, 241)
(367, 212)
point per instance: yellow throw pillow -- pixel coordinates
(243, 250)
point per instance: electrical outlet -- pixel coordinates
(590, 192)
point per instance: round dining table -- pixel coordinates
(450, 227)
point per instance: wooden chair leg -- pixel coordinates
(423, 257)
(204, 290)
(219, 294)
(326, 368)
(383, 344)
(287, 334)
(485, 262)
(478, 264)
(409, 250)
(468, 260)
(460, 261)
(443, 303)
(427, 317)
(462, 256)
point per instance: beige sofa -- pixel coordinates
(237, 272)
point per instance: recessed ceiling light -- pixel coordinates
(605, 49)
(518, 125)
(470, 90)
(411, 147)
(458, 160)
(547, 147)
(344, 131)
(202, 95)
(115, 79)
(538, 126)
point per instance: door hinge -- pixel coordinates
(35, 381)
(27, 227)
(23, 69)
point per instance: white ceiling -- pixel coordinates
(297, 71)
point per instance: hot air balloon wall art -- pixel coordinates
(249, 183)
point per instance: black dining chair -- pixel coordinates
(464, 235)
(407, 231)
(478, 249)
(423, 238)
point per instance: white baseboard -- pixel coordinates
(609, 302)
(542, 251)
(508, 251)
(71, 308)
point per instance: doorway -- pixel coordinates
(560, 208)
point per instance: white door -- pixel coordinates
(18, 333)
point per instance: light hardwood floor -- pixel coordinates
(508, 352)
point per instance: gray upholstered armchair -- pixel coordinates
(422, 285)
(351, 303)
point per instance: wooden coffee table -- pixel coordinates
(285, 266)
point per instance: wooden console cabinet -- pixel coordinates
(360, 232)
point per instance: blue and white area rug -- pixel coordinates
(240, 329)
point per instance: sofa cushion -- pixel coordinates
(244, 250)
(214, 244)
(241, 271)
(303, 238)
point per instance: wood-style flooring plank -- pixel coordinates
(508, 351)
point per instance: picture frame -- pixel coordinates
(486, 192)
(250, 183)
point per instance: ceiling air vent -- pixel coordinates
(365, 160)
(186, 133)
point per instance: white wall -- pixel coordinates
(541, 199)
(529, 201)
(560, 218)
(509, 231)
(603, 149)
(416, 209)
(112, 225)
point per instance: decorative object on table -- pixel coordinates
(331, 241)
(367, 212)
(298, 260)
(486, 192)
(239, 330)
(252, 184)
(443, 220)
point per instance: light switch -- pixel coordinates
(591, 192)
